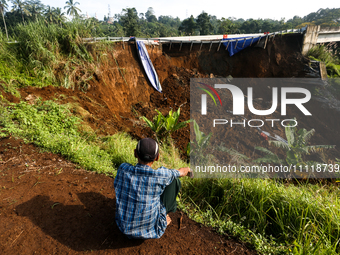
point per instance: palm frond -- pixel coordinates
(290, 134)
(269, 159)
(304, 135)
(268, 152)
(234, 153)
(280, 144)
(319, 148)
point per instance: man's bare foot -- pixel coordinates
(168, 220)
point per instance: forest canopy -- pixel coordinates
(129, 22)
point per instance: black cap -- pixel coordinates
(147, 149)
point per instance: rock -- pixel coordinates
(31, 98)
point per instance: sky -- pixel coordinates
(183, 9)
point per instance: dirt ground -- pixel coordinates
(49, 206)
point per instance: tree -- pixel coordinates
(251, 26)
(35, 8)
(150, 15)
(49, 14)
(151, 29)
(215, 22)
(59, 15)
(293, 23)
(20, 6)
(268, 25)
(203, 23)
(227, 26)
(130, 22)
(118, 29)
(188, 26)
(326, 17)
(3, 7)
(170, 21)
(72, 8)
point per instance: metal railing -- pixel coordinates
(195, 39)
(189, 39)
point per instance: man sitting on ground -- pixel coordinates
(145, 196)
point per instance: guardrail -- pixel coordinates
(186, 39)
(199, 38)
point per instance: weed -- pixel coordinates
(19, 177)
(54, 205)
(197, 149)
(59, 172)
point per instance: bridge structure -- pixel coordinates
(312, 35)
(317, 35)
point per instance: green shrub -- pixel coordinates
(325, 54)
(164, 126)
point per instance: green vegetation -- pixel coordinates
(131, 23)
(156, 125)
(327, 54)
(296, 148)
(47, 55)
(163, 126)
(72, 8)
(53, 128)
(276, 218)
(197, 149)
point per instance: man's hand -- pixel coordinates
(184, 171)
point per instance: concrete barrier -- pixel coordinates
(310, 38)
(316, 34)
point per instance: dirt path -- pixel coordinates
(49, 206)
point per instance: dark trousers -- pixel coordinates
(169, 195)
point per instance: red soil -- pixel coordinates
(49, 206)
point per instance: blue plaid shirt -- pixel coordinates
(139, 211)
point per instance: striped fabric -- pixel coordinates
(139, 211)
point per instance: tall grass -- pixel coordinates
(303, 217)
(48, 54)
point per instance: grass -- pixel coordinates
(52, 127)
(272, 216)
(47, 54)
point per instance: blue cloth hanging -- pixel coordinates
(240, 44)
(148, 66)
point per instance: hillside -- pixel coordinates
(49, 204)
